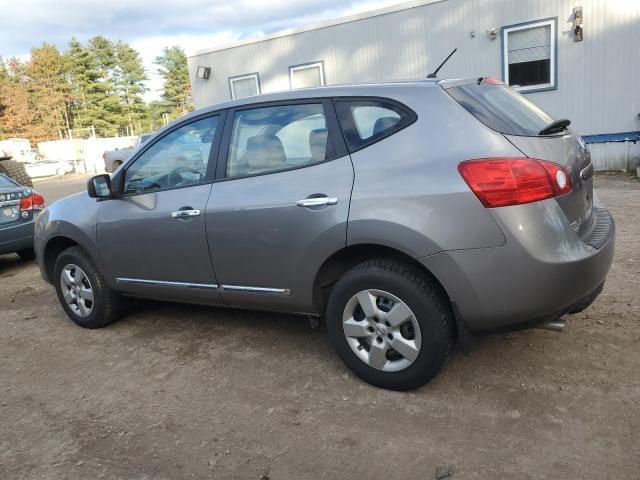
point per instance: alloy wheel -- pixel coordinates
(381, 330)
(77, 290)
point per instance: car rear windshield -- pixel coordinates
(6, 183)
(501, 108)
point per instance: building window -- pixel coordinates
(307, 75)
(529, 55)
(244, 85)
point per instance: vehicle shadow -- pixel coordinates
(10, 264)
(204, 318)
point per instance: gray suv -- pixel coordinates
(405, 214)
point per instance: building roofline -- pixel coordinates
(320, 25)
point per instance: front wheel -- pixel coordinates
(390, 324)
(82, 290)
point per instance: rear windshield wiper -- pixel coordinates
(555, 127)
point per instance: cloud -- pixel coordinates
(151, 25)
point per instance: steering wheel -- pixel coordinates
(175, 178)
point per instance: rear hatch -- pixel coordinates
(523, 123)
(10, 195)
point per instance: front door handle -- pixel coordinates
(185, 213)
(317, 201)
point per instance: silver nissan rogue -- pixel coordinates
(405, 214)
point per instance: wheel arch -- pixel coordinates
(53, 248)
(350, 256)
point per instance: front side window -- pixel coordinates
(366, 122)
(307, 75)
(529, 55)
(178, 159)
(267, 139)
(244, 86)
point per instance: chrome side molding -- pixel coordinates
(254, 290)
(241, 289)
(164, 283)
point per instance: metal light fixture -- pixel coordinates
(578, 32)
(492, 33)
(203, 72)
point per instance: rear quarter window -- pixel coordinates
(365, 121)
(501, 108)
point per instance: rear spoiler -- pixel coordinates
(456, 82)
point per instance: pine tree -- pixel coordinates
(49, 88)
(128, 78)
(177, 87)
(95, 101)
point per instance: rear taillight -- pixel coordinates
(35, 201)
(499, 182)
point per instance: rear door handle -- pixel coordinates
(317, 201)
(185, 213)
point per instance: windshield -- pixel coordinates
(501, 108)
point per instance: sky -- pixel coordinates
(150, 25)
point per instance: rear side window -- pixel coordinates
(367, 121)
(501, 108)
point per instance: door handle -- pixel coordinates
(185, 213)
(317, 201)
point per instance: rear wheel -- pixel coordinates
(16, 171)
(82, 290)
(390, 324)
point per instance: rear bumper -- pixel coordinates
(543, 271)
(16, 237)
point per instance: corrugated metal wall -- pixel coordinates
(598, 78)
(622, 156)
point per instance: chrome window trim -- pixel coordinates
(164, 283)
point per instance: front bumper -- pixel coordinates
(543, 271)
(16, 237)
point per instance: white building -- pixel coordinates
(577, 59)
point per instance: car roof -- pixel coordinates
(363, 89)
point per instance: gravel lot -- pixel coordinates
(174, 392)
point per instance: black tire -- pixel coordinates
(421, 294)
(105, 309)
(26, 254)
(16, 171)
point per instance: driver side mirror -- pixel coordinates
(99, 186)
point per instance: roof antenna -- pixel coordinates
(433, 75)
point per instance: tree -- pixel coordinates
(4, 78)
(95, 102)
(128, 78)
(18, 117)
(49, 88)
(177, 87)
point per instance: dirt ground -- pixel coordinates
(175, 392)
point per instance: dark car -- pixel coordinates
(19, 206)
